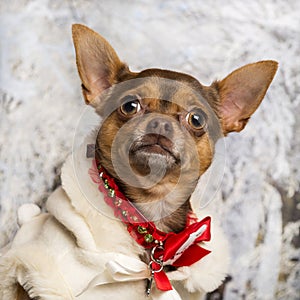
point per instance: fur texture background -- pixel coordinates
(41, 104)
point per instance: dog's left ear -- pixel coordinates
(98, 64)
(242, 91)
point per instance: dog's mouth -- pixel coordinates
(155, 145)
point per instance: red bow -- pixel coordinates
(181, 249)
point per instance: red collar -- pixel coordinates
(175, 249)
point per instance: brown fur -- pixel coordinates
(22, 294)
(186, 153)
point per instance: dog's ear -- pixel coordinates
(98, 64)
(242, 91)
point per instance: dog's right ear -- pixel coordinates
(98, 64)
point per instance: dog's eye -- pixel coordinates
(196, 119)
(130, 106)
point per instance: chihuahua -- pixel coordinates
(169, 121)
(157, 137)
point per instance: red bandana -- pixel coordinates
(174, 249)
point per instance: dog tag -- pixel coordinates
(149, 284)
(90, 150)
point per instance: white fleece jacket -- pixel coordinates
(78, 250)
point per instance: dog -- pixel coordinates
(140, 238)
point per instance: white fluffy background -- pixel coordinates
(41, 104)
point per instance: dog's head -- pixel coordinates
(160, 127)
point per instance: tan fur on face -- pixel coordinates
(172, 207)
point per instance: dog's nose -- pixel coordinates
(160, 126)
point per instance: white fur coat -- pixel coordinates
(78, 250)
